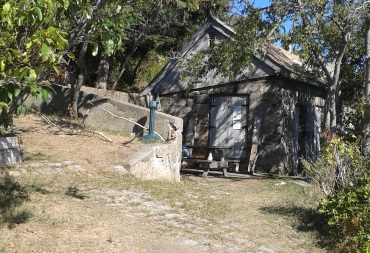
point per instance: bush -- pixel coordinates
(341, 173)
(339, 165)
(348, 214)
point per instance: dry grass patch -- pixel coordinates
(72, 200)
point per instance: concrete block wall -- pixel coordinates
(155, 161)
(89, 108)
(132, 98)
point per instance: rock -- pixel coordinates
(121, 170)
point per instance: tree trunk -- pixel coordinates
(103, 72)
(334, 87)
(123, 68)
(366, 119)
(76, 87)
(331, 104)
(137, 67)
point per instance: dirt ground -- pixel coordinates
(78, 198)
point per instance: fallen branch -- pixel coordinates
(128, 142)
(100, 134)
(47, 120)
(133, 122)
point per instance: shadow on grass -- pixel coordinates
(12, 196)
(74, 192)
(305, 220)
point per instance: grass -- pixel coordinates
(37, 157)
(68, 210)
(197, 199)
(12, 196)
(254, 210)
(265, 200)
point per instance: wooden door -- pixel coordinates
(228, 125)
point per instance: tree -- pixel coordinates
(366, 118)
(79, 17)
(320, 34)
(125, 35)
(29, 46)
(107, 28)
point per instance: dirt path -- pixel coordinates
(81, 200)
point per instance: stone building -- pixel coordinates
(267, 117)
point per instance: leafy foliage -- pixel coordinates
(342, 174)
(230, 56)
(348, 214)
(339, 165)
(29, 46)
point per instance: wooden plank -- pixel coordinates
(196, 160)
(255, 142)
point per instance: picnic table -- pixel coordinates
(222, 162)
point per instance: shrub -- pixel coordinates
(340, 164)
(348, 214)
(341, 173)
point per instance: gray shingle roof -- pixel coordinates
(275, 60)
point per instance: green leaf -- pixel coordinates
(4, 106)
(10, 22)
(40, 94)
(39, 13)
(6, 9)
(109, 49)
(46, 52)
(62, 42)
(95, 49)
(21, 109)
(21, 20)
(2, 65)
(29, 44)
(32, 18)
(74, 7)
(21, 73)
(66, 4)
(32, 75)
(181, 4)
(56, 69)
(71, 55)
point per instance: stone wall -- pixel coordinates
(156, 161)
(265, 101)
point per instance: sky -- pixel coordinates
(261, 3)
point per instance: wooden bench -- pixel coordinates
(207, 164)
(222, 162)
